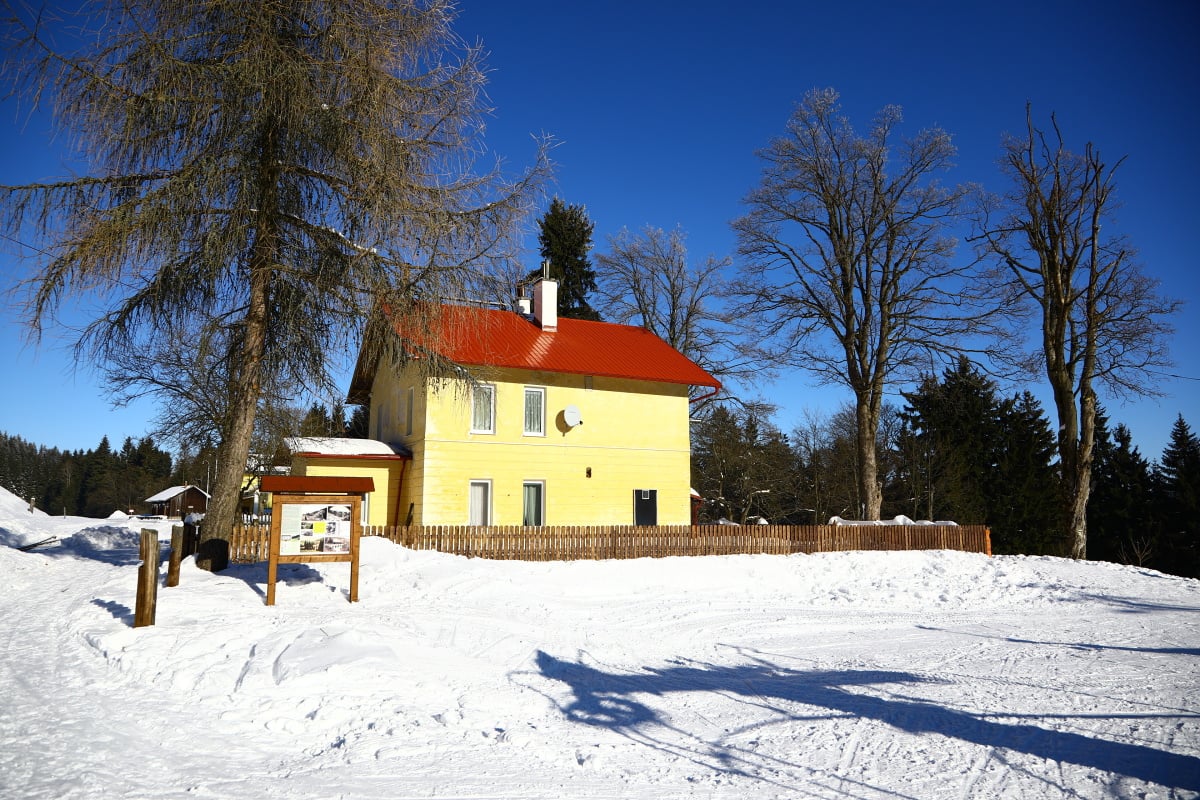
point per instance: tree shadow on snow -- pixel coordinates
(1172, 651)
(255, 575)
(1134, 605)
(607, 699)
(120, 612)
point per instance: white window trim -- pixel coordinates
(541, 390)
(541, 496)
(482, 482)
(491, 388)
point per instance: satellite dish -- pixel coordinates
(571, 416)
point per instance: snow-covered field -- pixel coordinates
(867, 675)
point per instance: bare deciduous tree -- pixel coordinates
(847, 270)
(265, 172)
(1101, 318)
(186, 373)
(646, 279)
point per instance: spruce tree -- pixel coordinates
(743, 467)
(1023, 487)
(1177, 483)
(565, 236)
(973, 458)
(359, 425)
(954, 422)
(99, 493)
(1122, 521)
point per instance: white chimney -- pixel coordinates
(545, 304)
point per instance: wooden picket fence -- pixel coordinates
(250, 544)
(571, 543)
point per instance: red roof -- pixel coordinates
(475, 336)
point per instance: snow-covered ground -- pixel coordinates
(865, 675)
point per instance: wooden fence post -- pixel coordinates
(147, 585)
(176, 555)
(191, 539)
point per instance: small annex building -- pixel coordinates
(384, 464)
(555, 422)
(179, 501)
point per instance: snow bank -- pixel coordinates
(870, 675)
(899, 520)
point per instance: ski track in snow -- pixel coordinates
(864, 675)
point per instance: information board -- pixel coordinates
(309, 528)
(314, 528)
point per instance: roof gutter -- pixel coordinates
(713, 393)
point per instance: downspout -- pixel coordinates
(705, 396)
(400, 488)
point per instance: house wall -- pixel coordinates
(634, 436)
(384, 472)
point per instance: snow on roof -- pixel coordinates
(340, 446)
(167, 494)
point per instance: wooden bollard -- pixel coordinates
(176, 555)
(191, 539)
(147, 585)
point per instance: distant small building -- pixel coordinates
(255, 503)
(179, 501)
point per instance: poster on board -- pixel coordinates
(314, 529)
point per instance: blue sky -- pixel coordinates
(659, 108)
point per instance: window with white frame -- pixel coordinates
(535, 411)
(479, 500)
(534, 496)
(483, 409)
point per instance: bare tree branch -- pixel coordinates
(1101, 320)
(270, 170)
(647, 279)
(848, 271)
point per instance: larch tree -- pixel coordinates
(846, 264)
(1100, 319)
(263, 175)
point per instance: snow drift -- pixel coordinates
(867, 675)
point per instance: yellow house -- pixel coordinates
(562, 422)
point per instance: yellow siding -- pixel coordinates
(634, 435)
(384, 472)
